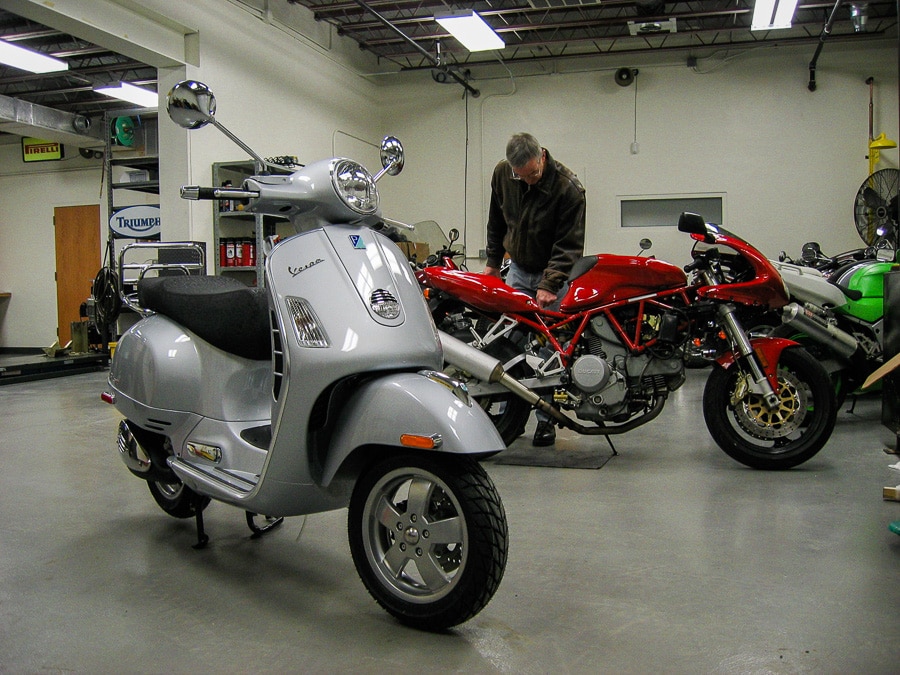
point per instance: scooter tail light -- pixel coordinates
(307, 327)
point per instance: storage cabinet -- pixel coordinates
(240, 235)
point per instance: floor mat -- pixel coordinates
(565, 454)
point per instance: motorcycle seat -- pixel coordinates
(581, 266)
(221, 310)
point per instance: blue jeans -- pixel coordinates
(527, 282)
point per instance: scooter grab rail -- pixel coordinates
(193, 248)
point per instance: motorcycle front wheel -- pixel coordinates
(177, 499)
(429, 538)
(840, 380)
(749, 432)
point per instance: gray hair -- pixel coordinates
(521, 149)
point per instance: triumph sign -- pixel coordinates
(136, 222)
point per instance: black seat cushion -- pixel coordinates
(582, 265)
(221, 310)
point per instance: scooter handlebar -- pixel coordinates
(195, 192)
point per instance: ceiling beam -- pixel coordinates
(123, 26)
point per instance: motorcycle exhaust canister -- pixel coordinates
(844, 344)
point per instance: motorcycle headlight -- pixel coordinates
(355, 186)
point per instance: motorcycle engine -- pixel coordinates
(608, 383)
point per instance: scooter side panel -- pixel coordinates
(165, 366)
(382, 410)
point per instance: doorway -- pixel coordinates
(77, 236)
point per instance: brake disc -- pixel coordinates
(757, 419)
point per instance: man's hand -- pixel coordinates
(544, 298)
(492, 271)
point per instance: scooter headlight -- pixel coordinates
(355, 186)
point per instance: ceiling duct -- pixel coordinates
(23, 118)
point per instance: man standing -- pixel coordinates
(537, 216)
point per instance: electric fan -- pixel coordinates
(875, 208)
(122, 131)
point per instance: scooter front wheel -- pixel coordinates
(428, 535)
(177, 499)
(763, 438)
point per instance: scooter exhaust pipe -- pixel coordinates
(488, 369)
(841, 342)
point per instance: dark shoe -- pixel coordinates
(545, 434)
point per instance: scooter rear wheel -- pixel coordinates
(428, 536)
(177, 499)
(744, 427)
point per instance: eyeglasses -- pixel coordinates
(532, 176)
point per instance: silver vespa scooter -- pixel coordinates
(321, 390)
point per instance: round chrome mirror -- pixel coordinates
(392, 155)
(645, 244)
(453, 235)
(191, 104)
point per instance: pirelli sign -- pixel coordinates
(39, 150)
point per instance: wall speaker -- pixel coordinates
(625, 76)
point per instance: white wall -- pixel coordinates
(788, 160)
(281, 94)
(28, 195)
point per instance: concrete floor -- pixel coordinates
(671, 558)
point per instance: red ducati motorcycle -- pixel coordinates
(615, 348)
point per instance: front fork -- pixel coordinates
(761, 356)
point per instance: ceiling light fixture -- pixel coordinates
(128, 92)
(471, 30)
(26, 59)
(772, 14)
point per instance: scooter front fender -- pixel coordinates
(389, 411)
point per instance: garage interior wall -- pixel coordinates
(788, 161)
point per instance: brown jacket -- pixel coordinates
(541, 226)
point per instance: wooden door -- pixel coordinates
(77, 261)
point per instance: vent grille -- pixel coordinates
(384, 304)
(277, 358)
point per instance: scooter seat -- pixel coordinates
(220, 310)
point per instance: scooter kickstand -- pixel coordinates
(258, 531)
(202, 538)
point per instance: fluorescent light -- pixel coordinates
(771, 14)
(128, 92)
(25, 59)
(471, 30)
